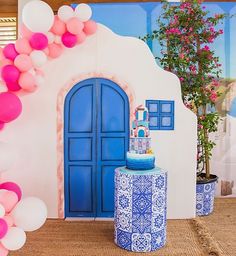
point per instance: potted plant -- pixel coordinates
(185, 33)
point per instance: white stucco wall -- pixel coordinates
(34, 134)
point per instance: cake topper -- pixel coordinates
(140, 125)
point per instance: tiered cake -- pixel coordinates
(140, 156)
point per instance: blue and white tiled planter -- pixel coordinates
(140, 209)
(205, 197)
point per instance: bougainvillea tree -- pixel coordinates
(186, 31)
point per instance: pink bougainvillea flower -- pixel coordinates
(192, 68)
(206, 48)
(215, 83)
(181, 55)
(213, 96)
(212, 29)
(210, 39)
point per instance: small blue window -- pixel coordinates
(161, 114)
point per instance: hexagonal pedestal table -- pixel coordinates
(140, 209)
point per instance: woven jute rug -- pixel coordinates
(212, 235)
(222, 225)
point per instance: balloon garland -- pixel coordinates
(17, 215)
(43, 36)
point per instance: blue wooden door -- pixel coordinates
(96, 123)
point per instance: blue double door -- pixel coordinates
(96, 137)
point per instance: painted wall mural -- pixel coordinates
(138, 19)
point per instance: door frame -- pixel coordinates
(97, 135)
(60, 125)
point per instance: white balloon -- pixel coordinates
(39, 80)
(2, 211)
(38, 16)
(65, 12)
(83, 12)
(14, 239)
(39, 58)
(51, 37)
(8, 156)
(30, 214)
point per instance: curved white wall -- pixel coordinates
(128, 59)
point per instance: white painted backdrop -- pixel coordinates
(34, 134)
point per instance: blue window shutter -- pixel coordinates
(161, 114)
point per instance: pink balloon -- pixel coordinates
(13, 86)
(59, 27)
(3, 250)
(9, 220)
(25, 32)
(74, 26)
(10, 109)
(10, 52)
(55, 50)
(90, 27)
(69, 40)
(22, 45)
(9, 200)
(38, 41)
(12, 186)
(23, 62)
(2, 125)
(27, 82)
(5, 62)
(81, 37)
(3, 228)
(10, 74)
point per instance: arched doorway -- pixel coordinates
(96, 138)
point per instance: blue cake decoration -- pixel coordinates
(140, 156)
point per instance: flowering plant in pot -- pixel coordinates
(185, 33)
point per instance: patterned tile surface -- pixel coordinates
(140, 210)
(205, 198)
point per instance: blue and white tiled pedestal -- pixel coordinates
(140, 209)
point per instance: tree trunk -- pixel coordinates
(206, 154)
